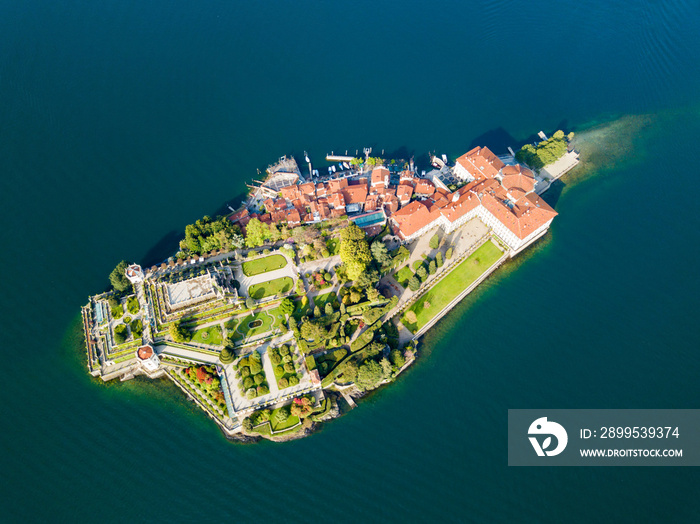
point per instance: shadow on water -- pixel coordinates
(169, 244)
(551, 196)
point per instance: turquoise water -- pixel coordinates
(368, 220)
(124, 121)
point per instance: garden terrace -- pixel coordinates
(271, 287)
(211, 335)
(454, 283)
(255, 324)
(263, 265)
(286, 373)
(250, 375)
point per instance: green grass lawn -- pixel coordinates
(267, 320)
(452, 285)
(271, 287)
(263, 265)
(333, 245)
(276, 426)
(403, 275)
(211, 335)
(324, 299)
(301, 311)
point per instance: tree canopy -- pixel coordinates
(118, 277)
(545, 152)
(354, 251)
(369, 375)
(209, 235)
(287, 306)
(179, 333)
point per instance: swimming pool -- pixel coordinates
(370, 220)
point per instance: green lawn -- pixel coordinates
(263, 265)
(268, 321)
(276, 426)
(211, 335)
(322, 300)
(271, 287)
(333, 245)
(403, 275)
(452, 285)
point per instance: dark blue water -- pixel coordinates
(123, 121)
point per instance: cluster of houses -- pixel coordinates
(502, 196)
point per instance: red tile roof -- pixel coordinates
(404, 192)
(380, 176)
(337, 200)
(269, 205)
(519, 178)
(371, 202)
(525, 216)
(425, 187)
(481, 161)
(337, 184)
(414, 217)
(290, 192)
(307, 189)
(355, 194)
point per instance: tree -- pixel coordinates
(328, 308)
(287, 306)
(354, 251)
(256, 233)
(380, 253)
(386, 367)
(368, 278)
(422, 273)
(448, 255)
(355, 296)
(348, 371)
(118, 277)
(413, 283)
(369, 375)
(312, 330)
(249, 303)
(226, 356)
(137, 327)
(397, 358)
(247, 425)
(179, 333)
(434, 241)
(411, 316)
(317, 312)
(439, 260)
(120, 334)
(432, 268)
(373, 294)
(282, 414)
(343, 310)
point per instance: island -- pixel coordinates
(283, 314)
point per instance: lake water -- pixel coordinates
(124, 121)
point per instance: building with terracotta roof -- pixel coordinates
(404, 192)
(333, 186)
(500, 196)
(290, 192)
(308, 189)
(380, 177)
(355, 195)
(269, 205)
(479, 162)
(148, 358)
(371, 202)
(337, 201)
(424, 188)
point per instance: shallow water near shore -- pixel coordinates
(124, 122)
